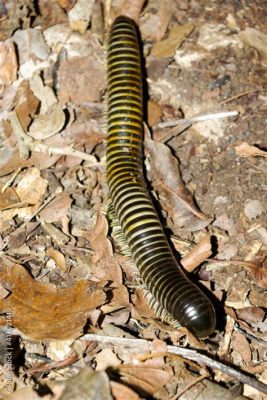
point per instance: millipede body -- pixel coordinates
(130, 198)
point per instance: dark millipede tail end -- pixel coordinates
(142, 229)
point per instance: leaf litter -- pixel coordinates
(62, 272)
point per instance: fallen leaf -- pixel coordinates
(166, 180)
(8, 198)
(58, 313)
(246, 150)
(131, 9)
(80, 15)
(47, 125)
(8, 62)
(74, 75)
(167, 47)
(31, 45)
(104, 265)
(26, 104)
(44, 93)
(31, 188)
(58, 258)
(241, 346)
(253, 208)
(57, 208)
(122, 392)
(147, 380)
(154, 112)
(197, 255)
(106, 358)
(257, 39)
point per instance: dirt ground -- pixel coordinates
(74, 322)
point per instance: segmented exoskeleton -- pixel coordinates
(142, 229)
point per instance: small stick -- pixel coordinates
(27, 143)
(186, 353)
(198, 118)
(237, 96)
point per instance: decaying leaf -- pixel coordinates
(104, 265)
(197, 255)
(80, 15)
(44, 311)
(8, 62)
(165, 176)
(167, 47)
(246, 150)
(147, 379)
(57, 208)
(74, 75)
(8, 198)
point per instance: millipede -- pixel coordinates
(176, 297)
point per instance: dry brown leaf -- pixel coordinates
(154, 112)
(57, 208)
(167, 47)
(147, 379)
(241, 346)
(122, 392)
(74, 75)
(27, 104)
(259, 272)
(197, 255)
(31, 188)
(8, 62)
(44, 311)
(58, 258)
(104, 265)
(8, 198)
(246, 150)
(166, 180)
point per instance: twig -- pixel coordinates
(237, 96)
(198, 118)
(27, 143)
(186, 353)
(191, 384)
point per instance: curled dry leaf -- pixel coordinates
(58, 258)
(246, 150)
(44, 311)
(104, 265)
(166, 180)
(167, 47)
